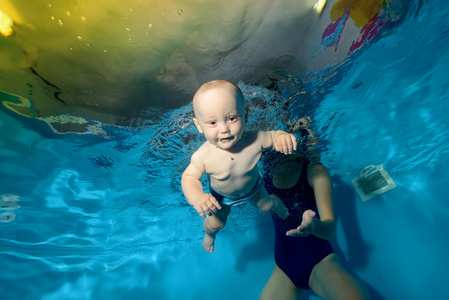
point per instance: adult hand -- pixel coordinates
(305, 229)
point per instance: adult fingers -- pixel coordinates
(296, 232)
(311, 213)
(293, 232)
(300, 231)
(308, 215)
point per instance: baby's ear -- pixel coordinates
(197, 125)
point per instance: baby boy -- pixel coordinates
(229, 157)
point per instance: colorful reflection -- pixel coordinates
(369, 16)
(59, 124)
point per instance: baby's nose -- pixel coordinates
(224, 127)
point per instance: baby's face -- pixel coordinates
(220, 116)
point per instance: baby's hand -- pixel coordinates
(285, 143)
(207, 204)
(305, 229)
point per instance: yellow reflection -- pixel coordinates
(361, 11)
(138, 54)
(5, 24)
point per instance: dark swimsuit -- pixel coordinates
(296, 256)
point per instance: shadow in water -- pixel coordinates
(345, 212)
(260, 248)
(358, 250)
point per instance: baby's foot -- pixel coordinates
(208, 243)
(279, 208)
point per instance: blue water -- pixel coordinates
(102, 215)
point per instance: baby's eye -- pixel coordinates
(212, 123)
(232, 118)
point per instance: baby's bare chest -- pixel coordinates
(222, 165)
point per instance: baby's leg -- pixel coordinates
(269, 203)
(213, 224)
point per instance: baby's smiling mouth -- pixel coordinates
(226, 139)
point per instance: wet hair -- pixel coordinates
(271, 159)
(219, 83)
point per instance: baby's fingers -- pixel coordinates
(281, 146)
(214, 204)
(209, 206)
(287, 144)
(200, 211)
(294, 143)
(290, 144)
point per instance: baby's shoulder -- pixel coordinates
(204, 152)
(201, 151)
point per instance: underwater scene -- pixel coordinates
(96, 130)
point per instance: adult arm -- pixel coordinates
(319, 179)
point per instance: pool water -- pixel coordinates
(101, 215)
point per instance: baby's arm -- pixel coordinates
(193, 189)
(279, 140)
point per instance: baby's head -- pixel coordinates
(219, 109)
(219, 84)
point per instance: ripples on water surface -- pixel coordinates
(102, 216)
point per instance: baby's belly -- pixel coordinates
(234, 188)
